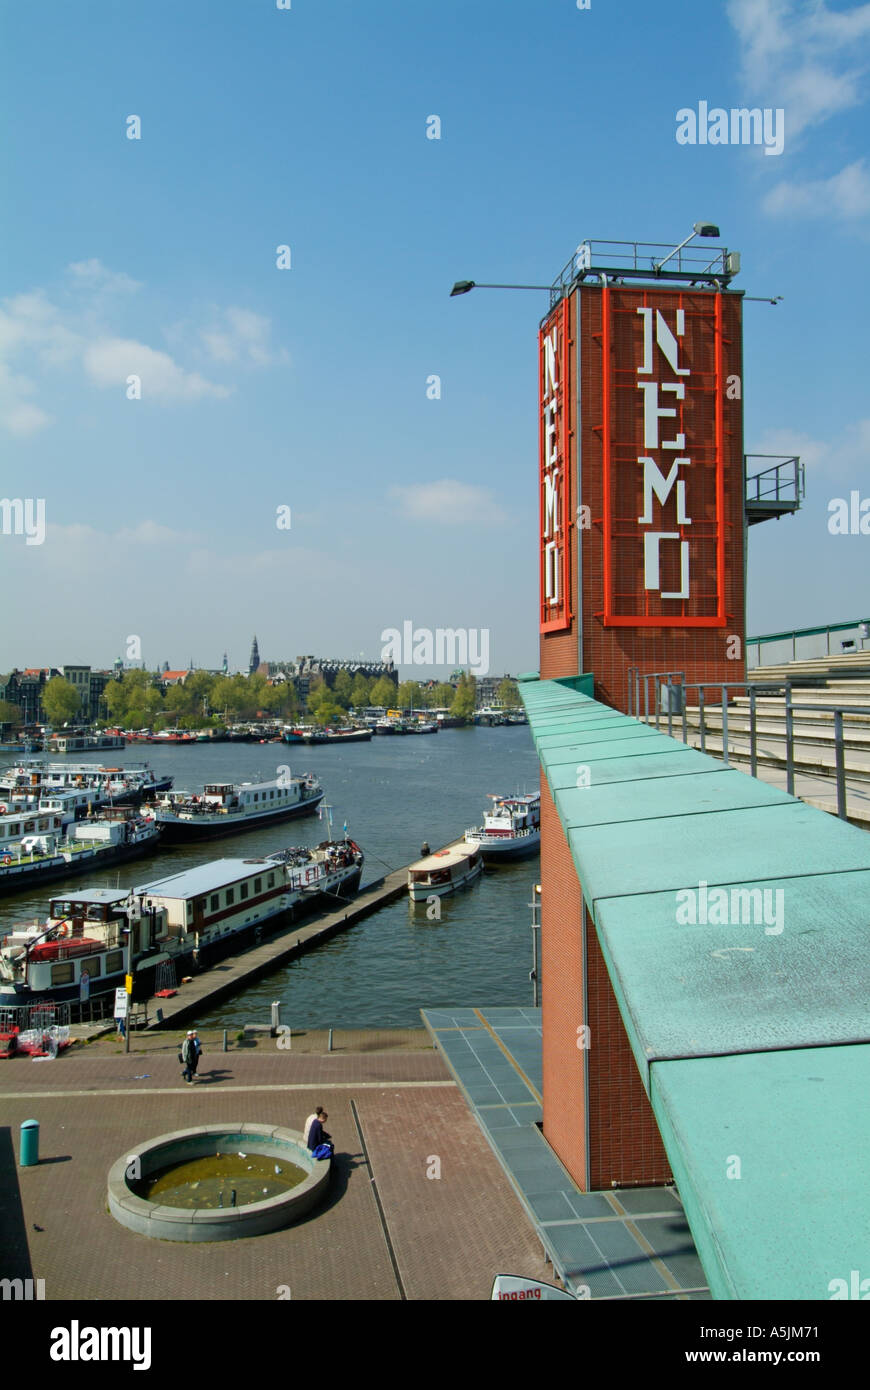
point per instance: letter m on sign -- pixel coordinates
(557, 424)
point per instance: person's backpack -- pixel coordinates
(322, 1151)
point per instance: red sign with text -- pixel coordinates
(556, 439)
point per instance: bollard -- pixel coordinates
(225, 1040)
(29, 1151)
(276, 1016)
(329, 1042)
(159, 1015)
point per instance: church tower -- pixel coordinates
(254, 662)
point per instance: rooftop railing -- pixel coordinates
(660, 697)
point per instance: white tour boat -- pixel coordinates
(511, 829)
(444, 872)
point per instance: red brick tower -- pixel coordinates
(642, 565)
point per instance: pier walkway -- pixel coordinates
(237, 972)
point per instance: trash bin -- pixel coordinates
(29, 1153)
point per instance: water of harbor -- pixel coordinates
(394, 793)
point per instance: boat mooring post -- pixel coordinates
(329, 1041)
(225, 1041)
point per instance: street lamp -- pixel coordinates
(699, 229)
(463, 286)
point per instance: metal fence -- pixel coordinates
(668, 690)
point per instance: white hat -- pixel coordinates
(190, 1033)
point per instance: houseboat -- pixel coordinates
(193, 918)
(127, 784)
(510, 830)
(42, 853)
(444, 872)
(224, 808)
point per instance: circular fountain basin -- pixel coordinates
(129, 1176)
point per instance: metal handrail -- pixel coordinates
(754, 688)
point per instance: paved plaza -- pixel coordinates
(417, 1207)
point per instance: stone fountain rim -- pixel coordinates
(227, 1223)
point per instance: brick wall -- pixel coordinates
(600, 1088)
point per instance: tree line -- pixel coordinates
(138, 700)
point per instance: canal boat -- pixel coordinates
(42, 853)
(127, 784)
(194, 919)
(444, 872)
(510, 830)
(227, 808)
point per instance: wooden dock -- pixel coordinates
(237, 972)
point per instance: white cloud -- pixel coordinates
(844, 456)
(79, 330)
(449, 502)
(111, 361)
(239, 335)
(802, 56)
(845, 195)
(93, 275)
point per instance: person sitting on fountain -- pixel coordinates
(316, 1134)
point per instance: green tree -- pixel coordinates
(60, 700)
(10, 714)
(152, 708)
(508, 694)
(464, 701)
(383, 693)
(441, 696)
(409, 696)
(360, 695)
(342, 689)
(177, 703)
(328, 711)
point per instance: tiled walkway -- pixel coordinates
(622, 1244)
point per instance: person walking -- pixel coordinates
(191, 1050)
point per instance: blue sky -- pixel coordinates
(306, 387)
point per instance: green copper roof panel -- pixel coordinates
(738, 845)
(609, 747)
(738, 967)
(632, 766)
(797, 1218)
(712, 788)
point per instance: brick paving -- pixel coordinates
(450, 1235)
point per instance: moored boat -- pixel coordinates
(444, 872)
(194, 918)
(88, 846)
(510, 830)
(226, 808)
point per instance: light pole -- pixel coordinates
(699, 229)
(133, 916)
(463, 286)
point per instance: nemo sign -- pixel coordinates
(556, 439)
(662, 452)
